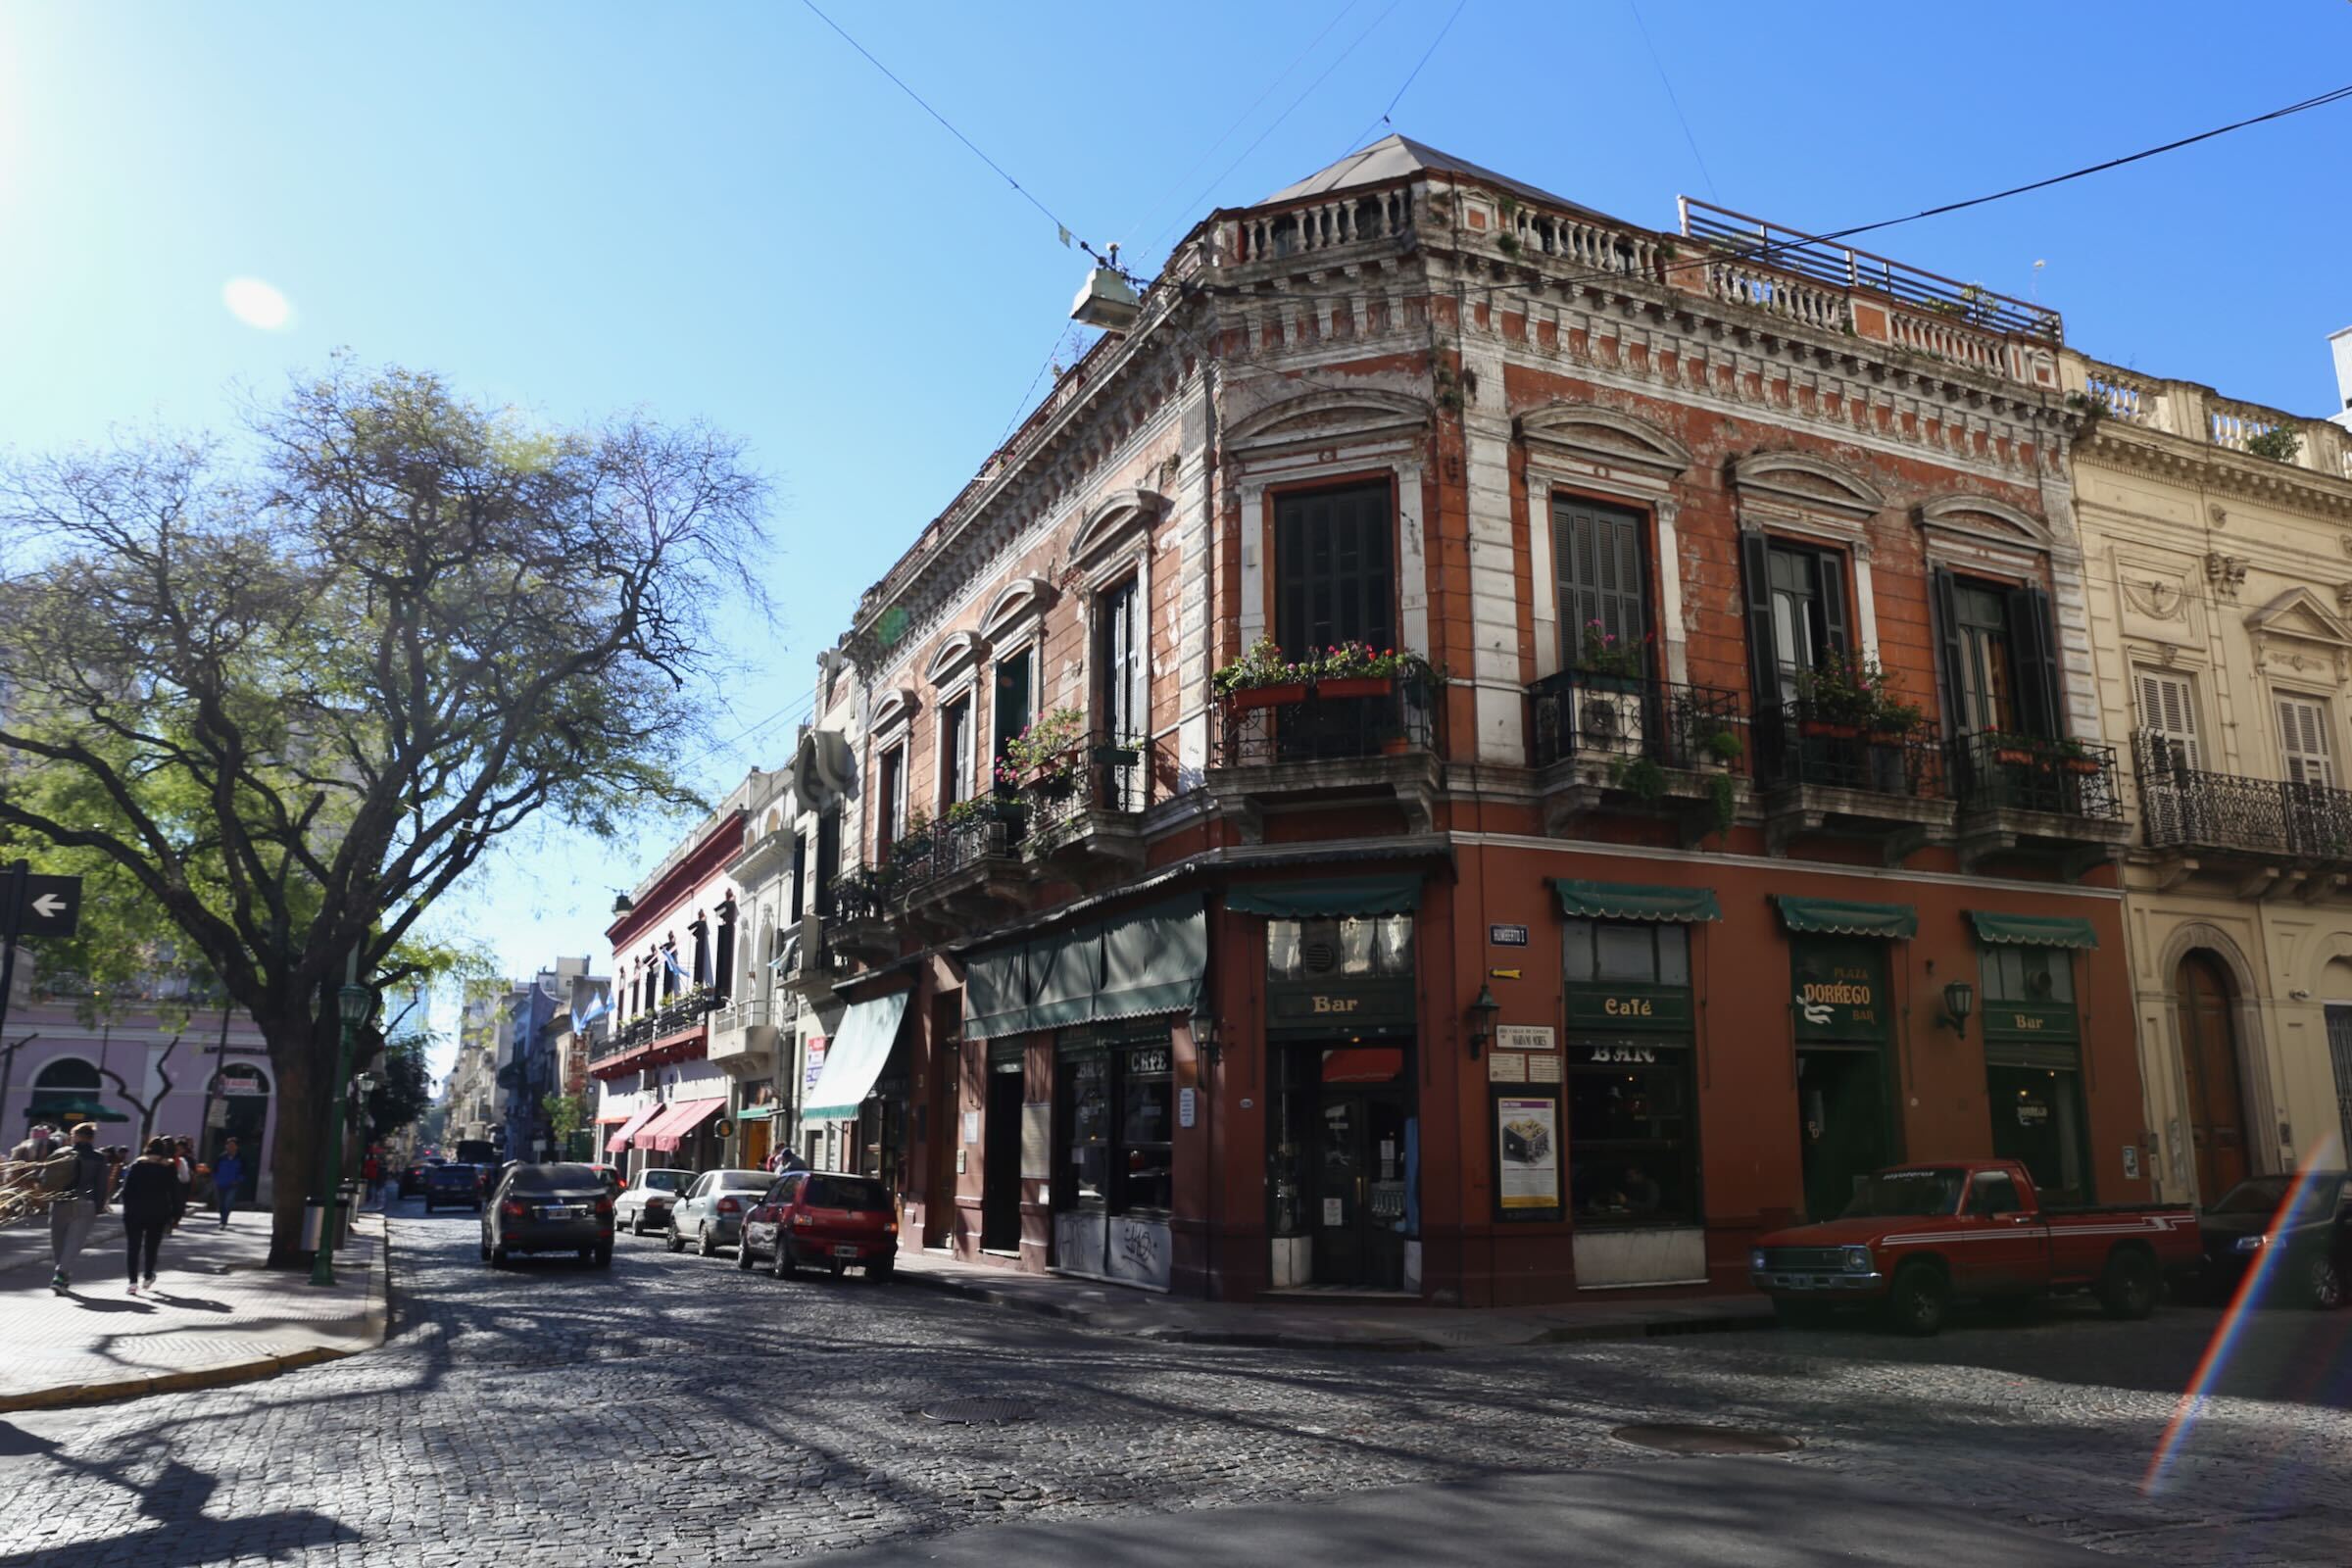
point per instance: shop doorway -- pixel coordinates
(239, 1108)
(1359, 1188)
(2209, 1061)
(1001, 1160)
(1841, 1122)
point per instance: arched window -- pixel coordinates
(65, 1076)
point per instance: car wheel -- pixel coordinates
(1919, 1301)
(834, 1268)
(497, 1256)
(783, 1267)
(676, 1243)
(701, 1242)
(2325, 1280)
(743, 1255)
(637, 1225)
(2127, 1286)
(604, 1257)
(881, 1269)
(485, 1247)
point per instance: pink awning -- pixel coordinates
(630, 1128)
(684, 1116)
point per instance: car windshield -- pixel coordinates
(2263, 1195)
(1894, 1193)
(740, 1181)
(552, 1178)
(853, 1193)
(667, 1181)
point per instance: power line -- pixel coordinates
(1068, 235)
(1178, 182)
(1663, 81)
(1303, 94)
(1383, 118)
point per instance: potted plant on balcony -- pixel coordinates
(2011, 751)
(1840, 698)
(1606, 662)
(1044, 758)
(1264, 676)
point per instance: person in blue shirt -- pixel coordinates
(228, 1174)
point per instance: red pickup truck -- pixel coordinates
(1915, 1237)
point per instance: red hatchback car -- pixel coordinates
(823, 1220)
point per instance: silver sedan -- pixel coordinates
(644, 1205)
(710, 1214)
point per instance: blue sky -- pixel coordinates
(721, 210)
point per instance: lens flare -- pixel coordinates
(2228, 1333)
(256, 303)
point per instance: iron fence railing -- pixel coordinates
(1622, 717)
(1333, 720)
(2182, 806)
(1998, 770)
(1796, 745)
(1107, 773)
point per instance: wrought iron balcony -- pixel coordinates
(1107, 776)
(1625, 718)
(1328, 720)
(1798, 746)
(2185, 809)
(1994, 771)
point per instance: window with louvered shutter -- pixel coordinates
(1598, 555)
(2303, 741)
(1333, 580)
(2168, 712)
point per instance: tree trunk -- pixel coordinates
(302, 1058)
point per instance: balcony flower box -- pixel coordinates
(1249, 698)
(2082, 767)
(1818, 729)
(1115, 755)
(1355, 686)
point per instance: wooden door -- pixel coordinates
(2216, 1112)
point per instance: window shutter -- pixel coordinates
(2034, 649)
(1598, 556)
(1833, 602)
(1755, 581)
(2168, 714)
(1943, 611)
(2303, 741)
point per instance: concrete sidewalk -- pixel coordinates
(1304, 1323)
(216, 1315)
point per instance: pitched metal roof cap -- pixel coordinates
(1397, 157)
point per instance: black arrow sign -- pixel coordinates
(46, 907)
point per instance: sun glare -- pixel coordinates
(256, 303)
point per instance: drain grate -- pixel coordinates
(1674, 1438)
(983, 1410)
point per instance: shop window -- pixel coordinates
(1370, 947)
(1147, 1120)
(2029, 976)
(1645, 952)
(2037, 1121)
(1117, 1112)
(1084, 1082)
(1632, 1148)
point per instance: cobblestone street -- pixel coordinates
(680, 1409)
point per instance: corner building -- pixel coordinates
(1641, 920)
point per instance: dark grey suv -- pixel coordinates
(549, 1209)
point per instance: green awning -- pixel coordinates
(860, 1046)
(1152, 961)
(1327, 897)
(755, 1112)
(997, 993)
(2033, 930)
(71, 1106)
(1839, 917)
(1634, 901)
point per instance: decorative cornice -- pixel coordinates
(2201, 464)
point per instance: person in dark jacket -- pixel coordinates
(79, 1176)
(151, 1202)
(228, 1174)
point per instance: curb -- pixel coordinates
(1395, 1345)
(373, 1326)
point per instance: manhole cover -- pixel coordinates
(1707, 1439)
(979, 1411)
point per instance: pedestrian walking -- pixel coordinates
(228, 1174)
(183, 1157)
(40, 1144)
(372, 1176)
(151, 1201)
(78, 1175)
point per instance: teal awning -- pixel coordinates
(1327, 897)
(71, 1107)
(2033, 930)
(1634, 901)
(755, 1112)
(1068, 966)
(1839, 917)
(860, 1046)
(1152, 961)
(995, 994)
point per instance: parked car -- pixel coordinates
(711, 1211)
(1915, 1237)
(825, 1220)
(452, 1185)
(644, 1205)
(549, 1209)
(2252, 1219)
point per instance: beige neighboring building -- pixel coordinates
(2217, 539)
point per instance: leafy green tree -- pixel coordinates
(402, 1091)
(291, 692)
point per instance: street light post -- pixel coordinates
(354, 1001)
